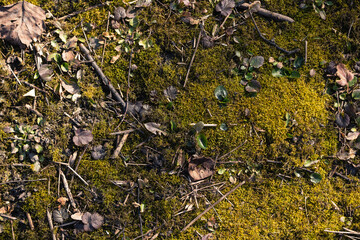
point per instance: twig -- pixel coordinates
(272, 43)
(267, 13)
(213, 205)
(78, 163)
(12, 230)
(33, 86)
(222, 24)
(72, 119)
(17, 79)
(82, 11)
(102, 76)
(343, 232)
(192, 58)
(48, 214)
(23, 181)
(227, 154)
(66, 164)
(31, 224)
(67, 189)
(31, 109)
(306, 51)
(139, 211)
(86, 39)
(205, 124)
(8, 216)
(119, 147)
(123, 132)
(107, 30)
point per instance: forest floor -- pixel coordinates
(181, 119)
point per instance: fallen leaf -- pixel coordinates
(171, 93)
(30, 93)
(68, 55)
(225, 7)
(253, 87)
(345, 75)
(154, 128)
(200, 168)
(142, 3)
(114, 58)
(352, 136)
(344, 155)
(45, 72)
(60, 215)
(186, 3)
(71, 88)
(98, 152)
(77, 216)
(21, 23)
(72, 43)
(312, 73)
(119, 13)
(82, 137)
(342, 120)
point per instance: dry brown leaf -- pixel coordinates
(45, 72)
(82, 137)
(154, 128)
(21, 23)
(77, 216)
(114, 58)
(62, 200)
(71, 88)
(352, 136)
(345, 75)
(71, 43)
(200, 168)
(68, 55)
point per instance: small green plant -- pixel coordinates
(284, 68)
(221, 95)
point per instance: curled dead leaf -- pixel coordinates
(21, 23)
(200, 168)
(352, 136)
(154, 128)
(68, 55)
(345, 75)
(62, 200)
(45, 72)
(225, 7)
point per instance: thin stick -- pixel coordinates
(86, 39)
(82, 11)
(107, 30)
(224, 21)
(269, 14)
(72, 119)
(48, 214)
(78, 163)
(66, 164)
(306, 50)
(139, 212)
(123, 132)
(17, 79)
(102, 76)
(342, 232)
(23, 181)
(8, 216)
(213, 205)
(67, 189)
(272, 43)
(33, 110)
(227, 154)
(31, 224)
(120, 146)
(192, 58)
(12, 230)
(33, 86)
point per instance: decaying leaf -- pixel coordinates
(60, 215)
(98, 152)
(90, 222)
(21, 23)
(82, 137)
(186, 3)
(200, 168)
(71, 88)
(225, 7)
(154, 128)
(68, 55)
(312, 73)
(344, 155)
(45, 72)
(77, 216)
(171, 93)
(342, 120)
(345, 75)
(352, 135)
(71, 43)
(253, 87)
(119, 13)
(114, 58)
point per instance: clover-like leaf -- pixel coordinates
(171, 93)
(60, 215)
(82, 137)
(98, 152)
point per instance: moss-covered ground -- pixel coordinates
(273, 204)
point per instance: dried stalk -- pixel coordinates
(102, 76)
(48, 214)
(67, 189)
(119, 147)
(192, 58)
(213, 205)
